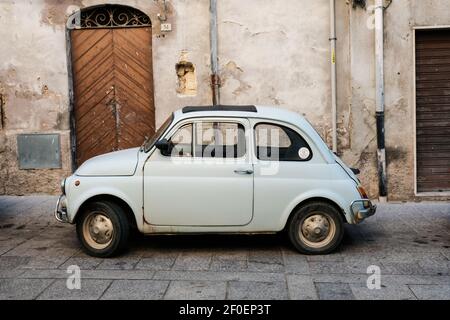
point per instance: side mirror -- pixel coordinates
(164, 146)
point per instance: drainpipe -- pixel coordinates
(379, 57)
(333, 72)
(215, 80)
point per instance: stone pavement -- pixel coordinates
(410, 243)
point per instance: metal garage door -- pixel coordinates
(433, 110)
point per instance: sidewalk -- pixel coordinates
(410, 243)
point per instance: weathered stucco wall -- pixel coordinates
(401, 17)
(276, 55)
(270, 53)
(33, 82)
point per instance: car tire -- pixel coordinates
(103, 229)
(316, 228)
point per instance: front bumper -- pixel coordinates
(362, 209)
(61, 209)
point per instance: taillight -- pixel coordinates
(362, 192)
(63, 186)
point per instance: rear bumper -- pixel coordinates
(362, 209)
(61, 209)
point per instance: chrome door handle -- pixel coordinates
(243, 171)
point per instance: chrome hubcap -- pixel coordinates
(98, 230)
(317, 230)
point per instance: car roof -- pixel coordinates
(251, 111)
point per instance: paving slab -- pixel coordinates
(334, 291)
(122, 263)
(13, 262)
(196, 290)
(250, 290)
(22, 289)
(431, 292)
(84, 263)
(89, 290)
(219, 276)
(301, 287)
(158, 261)
(265, 261)
(136, 290)
(228, 265)
(386, 292)
(193, 261)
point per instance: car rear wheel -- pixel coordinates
(102, 229)
(316, 228)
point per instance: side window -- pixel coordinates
(181, 142)
(280, 143)
(219, 140)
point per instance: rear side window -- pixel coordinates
(279, 143)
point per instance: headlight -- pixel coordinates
(63, 186)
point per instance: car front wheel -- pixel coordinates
(102, 229)
(316, 228)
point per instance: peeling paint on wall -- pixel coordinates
(230, 75)
(187, 80)
(55, 13)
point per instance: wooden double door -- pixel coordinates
(113, 89)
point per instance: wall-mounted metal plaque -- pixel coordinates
(39, 151)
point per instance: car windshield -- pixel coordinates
(148, 144)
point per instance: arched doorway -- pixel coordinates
(112, 80)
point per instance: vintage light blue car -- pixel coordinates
(220, 169)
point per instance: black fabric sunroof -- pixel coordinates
(220, 108)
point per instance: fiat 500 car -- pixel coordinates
(220, 169)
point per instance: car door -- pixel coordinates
(206, 180)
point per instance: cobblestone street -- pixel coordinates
(409, 242)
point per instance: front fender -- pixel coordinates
(126, 189)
